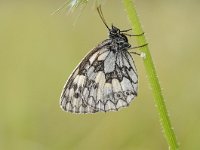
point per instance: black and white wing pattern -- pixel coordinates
(105, 80)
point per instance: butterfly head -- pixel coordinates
(115, 34)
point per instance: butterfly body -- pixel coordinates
(105, 80)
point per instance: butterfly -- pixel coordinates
(105, 80)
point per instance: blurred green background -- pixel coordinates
(38, 51)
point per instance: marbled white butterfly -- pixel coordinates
(105, 80)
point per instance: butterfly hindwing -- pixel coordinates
(103, 81)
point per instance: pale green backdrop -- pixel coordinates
(38, 51)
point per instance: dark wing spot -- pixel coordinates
(95, 85)
(98, 66)
(75, 87)
(127, 93)
(109, 76)
(76, 95)
(118, 95)
(118, 72)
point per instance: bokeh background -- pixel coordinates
(38, 51)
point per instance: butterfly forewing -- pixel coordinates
(105, 80)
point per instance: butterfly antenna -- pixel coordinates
(101, 16)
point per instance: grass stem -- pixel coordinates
(152, 76)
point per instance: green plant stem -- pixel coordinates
(153, 79)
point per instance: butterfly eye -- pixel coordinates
(115, 30)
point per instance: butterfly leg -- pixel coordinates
(135, 47)
(134, 34)
(126, 30)
(140, 54)
(131, 34)
(135, 53)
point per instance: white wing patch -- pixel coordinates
(109, 62)
(105, 80)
